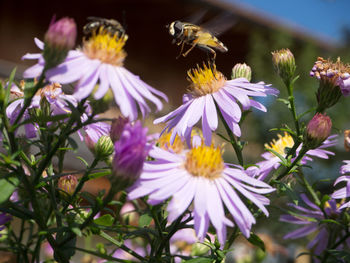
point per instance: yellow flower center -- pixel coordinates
(205, 161)
(164, 143)
(205, 80)
(281, 144)
(106, 47)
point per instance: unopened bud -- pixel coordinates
(117, 128)
(104, 147)
(241, 71)
(130, 154)
(284, 64)
(317, 130)
(59, 39)
(68, 183)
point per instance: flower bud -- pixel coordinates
(68, 183)
(241, 71)
(59, 39)
(117, 128)
(347, 140)
(130, 153)
(284, 64)
(317, 130)
(104, 147)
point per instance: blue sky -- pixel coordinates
(323, 17)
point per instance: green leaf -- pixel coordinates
(286, 102)
(73, 143)
(83, 160)
(283, 160)
(99, 174)
(256, 241)
(145, 220)
(7, 186)
(200, 260)
(105, 220)
(77, 231)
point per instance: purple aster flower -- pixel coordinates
(200, 175)
(272, 162)
(100, 61)
(130, 152)
(4, 218)
(209, 88)
(343, 192)
(309, 217)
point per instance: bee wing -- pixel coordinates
(95, 18)
(195, 18)
(220, 23)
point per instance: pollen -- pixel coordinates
(49, 89)
(164, 143)
(281, 144)
(205, 161)
(106, 47)
(205, 80)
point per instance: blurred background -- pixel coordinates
(308, 28)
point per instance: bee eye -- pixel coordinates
(178, 28)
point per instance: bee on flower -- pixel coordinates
(100, 61)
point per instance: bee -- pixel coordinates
(193, 35)
(110, 25)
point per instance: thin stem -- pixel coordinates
(289, 85)
(310, 189)
(233, 141)
(295, 162)
(232, 238)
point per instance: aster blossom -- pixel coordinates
(309, 217)
(272, 162)
(201, 176)
(209, 88)
(343, 192)
(4, 218)
(100, 61)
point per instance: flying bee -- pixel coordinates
(193, 35)
(110, 25)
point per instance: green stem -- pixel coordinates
(292, 106)
(232, 238)
(28, 100)
(81, 183)
(310, 189)
(295, 162)
(237, 147)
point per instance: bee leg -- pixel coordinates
(194, 43)
(182, 48)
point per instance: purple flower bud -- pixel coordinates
(59, 39)
(62, 34)
(318, 130)
(130, 153)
